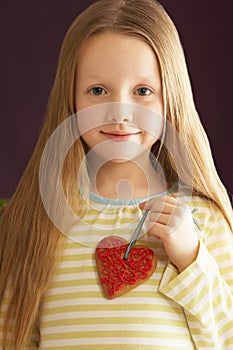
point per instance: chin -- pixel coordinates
(120, 160)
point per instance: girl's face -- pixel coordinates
(118, 68)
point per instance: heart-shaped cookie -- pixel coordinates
(117, 275)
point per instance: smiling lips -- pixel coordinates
(119, 135)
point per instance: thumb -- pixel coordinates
(143, 205)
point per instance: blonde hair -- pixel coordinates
(30, 244)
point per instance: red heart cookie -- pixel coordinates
(117, 275)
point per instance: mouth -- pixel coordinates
(119, 135)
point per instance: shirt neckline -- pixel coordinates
(125, 202)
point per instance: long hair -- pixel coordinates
(30, 245)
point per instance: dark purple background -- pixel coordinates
(31, 36)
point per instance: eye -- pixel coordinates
(97, 90)
(143, 91)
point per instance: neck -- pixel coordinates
(125, 180)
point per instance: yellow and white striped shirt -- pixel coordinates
(190, 310)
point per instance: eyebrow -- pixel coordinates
(150, 76)
(95, 76)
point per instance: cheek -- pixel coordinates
(148, 140)
(89, 138)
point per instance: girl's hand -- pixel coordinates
(172, 222)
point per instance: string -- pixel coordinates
(138, 230)
(135, 235)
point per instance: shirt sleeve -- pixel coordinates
(205, 288)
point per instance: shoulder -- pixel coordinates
(208, 214)
(204, 205)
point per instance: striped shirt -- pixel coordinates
(190, 310)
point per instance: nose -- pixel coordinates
(119, 112)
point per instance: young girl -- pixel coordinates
(140, 148)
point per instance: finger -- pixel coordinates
(162, 207)
(161, 218)
(157, 230)
(158, 201)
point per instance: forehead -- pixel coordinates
(107, 53)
